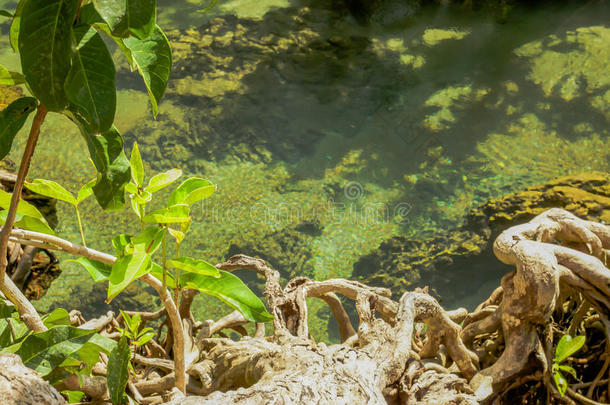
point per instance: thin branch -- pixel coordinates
(176, 322)
(57, 243)
(23, 171)
(26, 311)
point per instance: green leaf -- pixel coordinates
(124, 17)
(194, 266)
(567, 346)
(163, 180)
(51, 189)
(153, 59)
(137, 208)
(230, 289)
(191, 191)
(120, 242)
(14, 30)
(178, 235)
(144, 338)
(560, 382)
(90, 84)
(16, 327)
(89, 353)
(6, 308)
(136, 263)
(132, 323)
(568, 370)
(6, 13)
(12, 119)
(139, 195)
(45, 47)
(126, 270)
(26, 222)
(58, 316)
(157, 271)
(45, 351)
(23, 207)
(97, 270)
(113, 168)
(74, 397)
(32, 224)
(148, 241)
(137, 168)
(118, 371)
(173, 214)
(8, 78)
(90, 16)
(131, 187)
(85, 191)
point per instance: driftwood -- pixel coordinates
(561, 284)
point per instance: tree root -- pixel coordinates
(504, 348)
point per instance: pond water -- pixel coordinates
(332, 126)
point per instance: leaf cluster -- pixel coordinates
(68, 69)
(566, 347)
(60, 351)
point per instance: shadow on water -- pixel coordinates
(305, 83)
(309, 84)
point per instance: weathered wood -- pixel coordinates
(20, 385)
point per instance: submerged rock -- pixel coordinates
(586, 195)
(459, 258)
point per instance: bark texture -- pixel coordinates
(21, 386)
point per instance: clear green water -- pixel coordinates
(395, 123)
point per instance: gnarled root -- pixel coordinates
(555, 255)
(530, 294)
(560, 283)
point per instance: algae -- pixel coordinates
(565, 66)
(434, 36)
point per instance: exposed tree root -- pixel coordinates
(500, 353)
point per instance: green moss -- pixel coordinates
(434, 36)
(572, 72)
(445, 100)
(251, 8)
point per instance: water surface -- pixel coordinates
(330, 127)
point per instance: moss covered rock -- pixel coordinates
(453, 259)
(586, 195)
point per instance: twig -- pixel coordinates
(163, 364)
(98, 323)
(25, 263)
(598, 376)
(178, 332)
(578, 317)
(587, 384)
(346, 330)
(136, 394)
(144, 316)
(582, 399)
